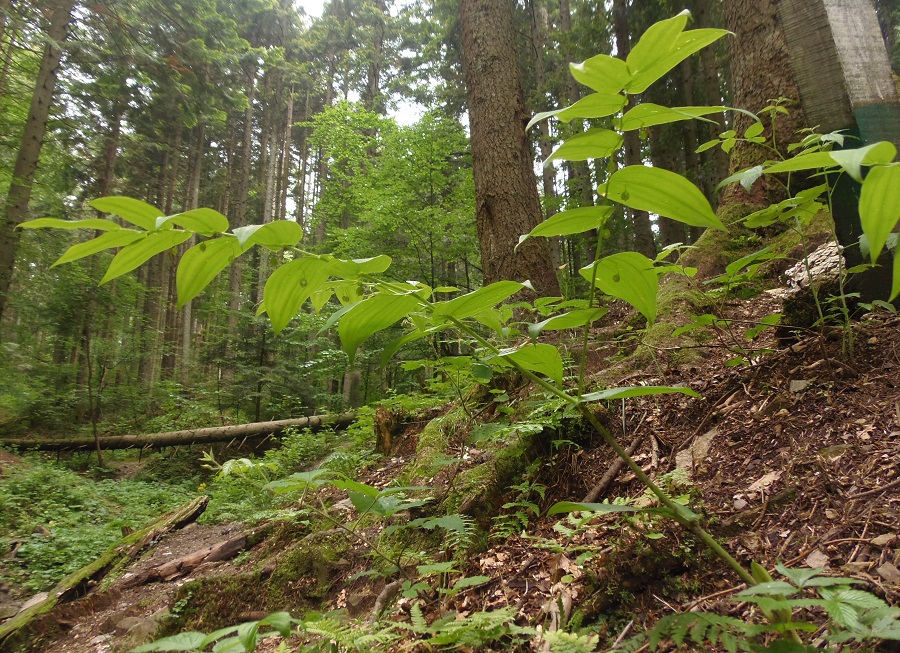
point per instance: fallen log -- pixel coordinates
(184, 565)
(192, 436)
(27, 626)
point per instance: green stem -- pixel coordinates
(587, 330)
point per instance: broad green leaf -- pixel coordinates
(290, 286)
(280, 621)
(56, 223)
(348, 292)
(541, 358)
(355, 486)
(664, 193)
(370, 316)
(134, 211)
(190, 641)
(629, 276)
(595, 143)
(570, 320)
(595, 105)
(335, 317)
(359, 267)
(201, 221)
(810, 161)
(603, 73)
(765, 254)
(854, 159)
(319, 298)
(436, 568)
(648, 115)
(140, 251)
(636, 391)
(476, 301)
(662, 47)
(574, 506)
(573, 221)
(115, 238)
(201, 263)
(273, 235)
(879, 206)
(470, 581)
(746, 178)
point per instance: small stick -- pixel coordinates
(876, 490)
(611, 473)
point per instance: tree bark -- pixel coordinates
(16, 209)
(191, 436)
(506, 197)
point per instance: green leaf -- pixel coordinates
(879, 206)
(138, 252)
(570, 320)
(810, 161)
(572, 221)
(56, 223)
(573, 506)
(370, 316)
(361, 266)
(202, 221)
(115, 238)
(290, 286)
(662, 47)
(853, 160)
(190, 641)
(664, 193)
(134, 211)
(436, 568)
(635, 391)
(474, 302)
(629, 276)
(541, 358)
(754, 130)
(201, 263)
(595, 143)
(649, 114)
(595, 105)
(603, 73)
(470, 581)
(280, 621)
(273, 235)
(746, 178)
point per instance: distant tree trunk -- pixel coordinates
(643, 232)
(191, 201)
(715, 160)
(506, 197)
(16, 208)
(372, 98)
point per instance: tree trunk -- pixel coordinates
(19, 195)
(506, 198)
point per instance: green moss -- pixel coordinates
(306, 574)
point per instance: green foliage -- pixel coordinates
(61, 519)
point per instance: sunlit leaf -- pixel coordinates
(273, 235)
(201, 221)
(358, 267)
(854, 159)
(570, 320)
(879, 206)
(134, 211)
(810, 161)
(594, 143)
(190, 641)
(370, 316)
(474, 302)
(664, 193)
(572, 221)
(636, 391)
(595, 105)
(574, 506)
(541, 358)
(201, 263)
(291, 285)
(140, 251)
(603, 73)
(648, 115)
(115, 238)
(56, 223)
(629, 276)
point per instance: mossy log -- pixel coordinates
(23, 630)
(252, 430)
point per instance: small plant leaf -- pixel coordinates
(570, 320)
(629, 276)
(290, 286)
(201, 263)
(595, 105)
(573, 506)
(56, 223)
(134, 211)
(140, 251)
(470, 581)
(636, 391)
(810, 161)
(572, 221)
(662, 192)
(115, 238)
(370, 316)
(356, 268)
(190, 641)
(648, 114)
(879, 206)
(541, 358)
(200, 221)
(603, 73)
(853, 160)
(273, 235)
(476, 301)
(595, 143)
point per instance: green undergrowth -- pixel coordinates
(57, 520)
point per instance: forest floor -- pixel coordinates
(795, 458)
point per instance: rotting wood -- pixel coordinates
(172, 569)
(611, 473)
(191, 436)
(20, 631)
